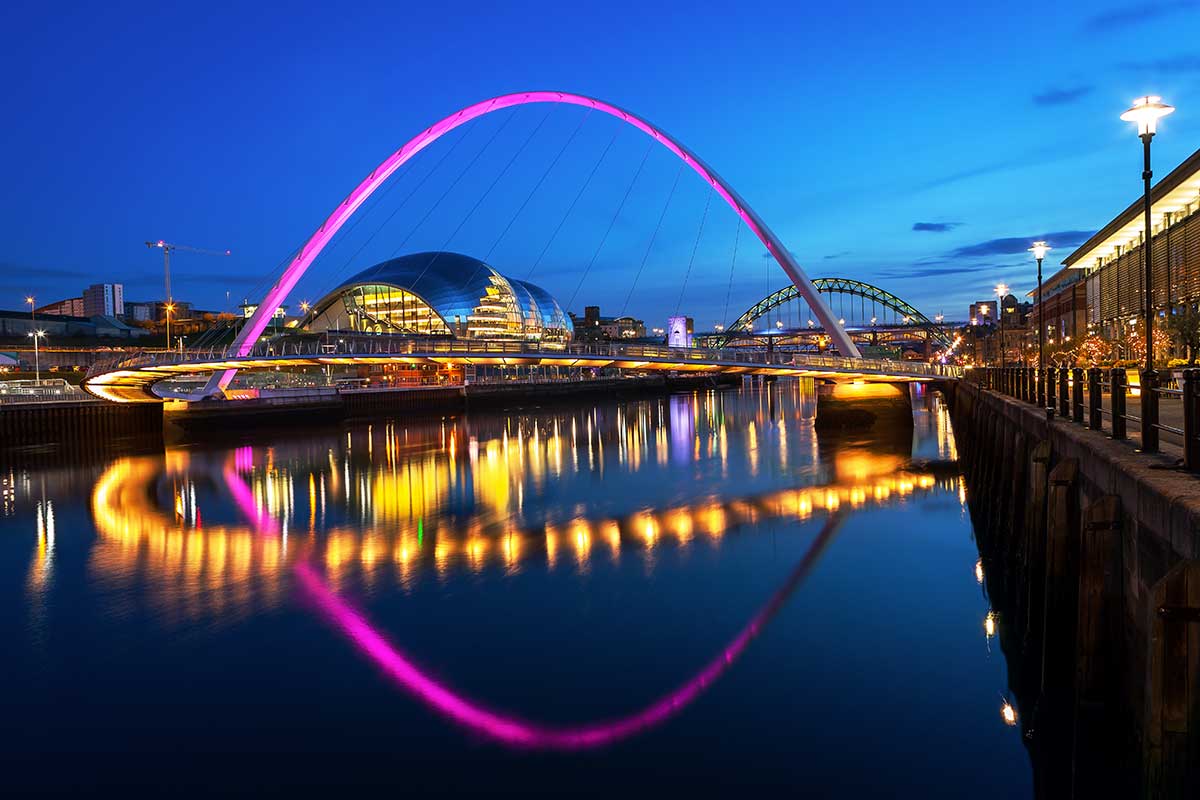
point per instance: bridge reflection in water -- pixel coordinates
(357, 531)
(232, 568)
(456, 494)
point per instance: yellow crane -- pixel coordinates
(167, 248)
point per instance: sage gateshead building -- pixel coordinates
(442, 294)
(1112, 259)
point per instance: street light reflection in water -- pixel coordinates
(350, 527)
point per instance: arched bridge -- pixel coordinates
(132, 380)
(843, 286)
(275, 297)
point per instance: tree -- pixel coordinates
(1185, 325)
(1095, 349)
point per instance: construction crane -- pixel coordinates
(167, 247)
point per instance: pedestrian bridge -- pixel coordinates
(132, 380)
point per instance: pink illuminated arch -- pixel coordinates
(506, 728)
(317, 242)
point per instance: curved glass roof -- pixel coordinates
(454, 285)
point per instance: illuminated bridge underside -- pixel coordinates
(839, 286)
(133, 382)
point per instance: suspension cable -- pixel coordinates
(653, 236)
(479, 202)
(611, 223)
(574, 201)
(453, 183)
(695, 247)
(538, 185)
(737, 233)
(454, 146)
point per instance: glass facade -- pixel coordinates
(442, 294)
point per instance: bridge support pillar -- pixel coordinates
(864, 406)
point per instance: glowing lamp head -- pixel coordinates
(1002, 289)
(29, 300)
(1039, 250)
(304, 306)
(1146, 112)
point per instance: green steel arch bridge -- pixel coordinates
(904, 314)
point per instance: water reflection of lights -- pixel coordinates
(979, 572)
(125, 516)
(989, 624)
(43, 563)
(1008, 713)
(514, 731)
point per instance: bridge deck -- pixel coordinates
(131, 380)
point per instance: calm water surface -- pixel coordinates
(683, 594)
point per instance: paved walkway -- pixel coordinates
(1170, 412)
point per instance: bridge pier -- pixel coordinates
(863, 406)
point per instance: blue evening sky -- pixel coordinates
(919, 146)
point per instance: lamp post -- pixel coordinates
(1039, 251)
(32, 318)
(1001, 291)
(37, 362)
(1146, 112)
(168, 308)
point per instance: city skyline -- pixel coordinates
(930, 184)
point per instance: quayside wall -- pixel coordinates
(1089, 555)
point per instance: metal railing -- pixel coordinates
(366, 347)
(49, 390)
(1061, 391)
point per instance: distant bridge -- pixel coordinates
(878, 298)
(132, 380)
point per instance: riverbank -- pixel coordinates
(1090, 551)
(74, 427)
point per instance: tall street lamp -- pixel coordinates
(1001, 291)
(37, 362)
(30, 301)
(1039, 251)
(167, 309)
(1146, 112)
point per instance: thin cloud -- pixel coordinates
(1179, 63)
(835, 255)
(918, 271)
(1061, 97)
(1012, 245)
(1137, 14)
(936, 227)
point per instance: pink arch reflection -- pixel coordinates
(514, 731)
(503, 728)
(245, 340)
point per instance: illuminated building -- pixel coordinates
(442, 294)
(1113, 264)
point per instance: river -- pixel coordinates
(679, 594)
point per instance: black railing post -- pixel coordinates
(1050, 377)
(1117, 402)
(1149, 386)
(1040, 381)
(1095, 399)
(1064, 398)
(1191, 419)
(1077, 394)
